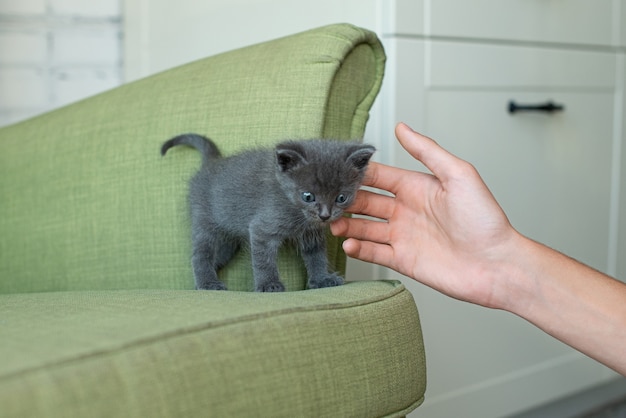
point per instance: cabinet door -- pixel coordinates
(552, 175)
(550, 172)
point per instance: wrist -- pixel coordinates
(516, 275)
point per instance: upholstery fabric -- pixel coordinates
(163, 353)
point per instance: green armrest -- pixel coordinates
(98, 316)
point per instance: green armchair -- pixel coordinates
(98, 316)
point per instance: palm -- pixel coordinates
(440, 230)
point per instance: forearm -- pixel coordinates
(570, 301)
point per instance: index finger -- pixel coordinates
(384, 177)
(372, 204)
(426, 150)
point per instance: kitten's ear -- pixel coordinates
(360, 156)
(289, 155)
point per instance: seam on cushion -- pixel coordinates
(398, 289)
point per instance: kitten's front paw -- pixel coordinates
(212, 285)
(270, 287)
(329, 280)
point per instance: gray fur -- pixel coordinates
(259, 198)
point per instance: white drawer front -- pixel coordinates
(582, 22)
(480, 65)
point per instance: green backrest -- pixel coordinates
(87, 202)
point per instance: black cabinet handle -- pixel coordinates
(548, 107)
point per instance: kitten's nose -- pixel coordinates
(324, 214)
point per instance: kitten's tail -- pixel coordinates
(203, 144)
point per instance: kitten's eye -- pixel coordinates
(341, 198)
(308, 197)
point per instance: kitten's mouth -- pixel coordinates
(319, 221)
(326, 220)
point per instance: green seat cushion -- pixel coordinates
(354, 350)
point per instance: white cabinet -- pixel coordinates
(453, 68)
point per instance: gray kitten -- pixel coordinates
(266, 197)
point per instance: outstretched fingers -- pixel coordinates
(361, 229)
(371, 252)
(384, 177)
(372, 204)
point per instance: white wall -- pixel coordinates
(161, 34)
(54, 52)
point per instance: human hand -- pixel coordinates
(445, 230)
